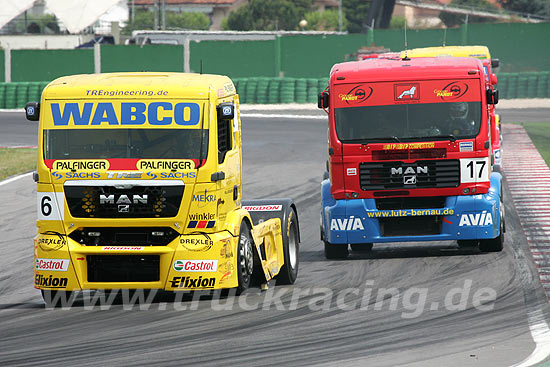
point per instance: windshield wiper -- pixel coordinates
(451, 137)
(367, 140)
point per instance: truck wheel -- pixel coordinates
(54, 299)
(495, 244)
(245, 259)
(291, 248)
(336, 252)
(361, 247)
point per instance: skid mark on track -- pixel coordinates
(528, 178)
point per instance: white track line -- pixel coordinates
(283, 116)
(15, 178)
(527, 174)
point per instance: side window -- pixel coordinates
(224, 132)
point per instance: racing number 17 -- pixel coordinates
(474, 168)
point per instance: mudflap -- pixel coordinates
(279, 254)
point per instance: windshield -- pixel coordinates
(125, 143)
(457, 120)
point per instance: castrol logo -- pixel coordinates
(52, 264)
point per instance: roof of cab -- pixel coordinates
(425, 68)
(159, 85)
(479, 52)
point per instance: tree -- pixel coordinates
(452, 20)
(145, 20)
(324, 21)
(539, 7)
(356, 14)
(268, 15)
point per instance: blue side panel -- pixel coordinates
(463, 217)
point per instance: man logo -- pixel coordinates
(409, 170)
(122, 199)
(409, 180)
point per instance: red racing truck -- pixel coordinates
(409, 155)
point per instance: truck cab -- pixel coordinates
(139, 186)
(409, 155)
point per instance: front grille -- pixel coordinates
(124, 236)
(390, 155)
(123, 268)
(400, 175)
(131, 202)
(411, 203)
(411, 226)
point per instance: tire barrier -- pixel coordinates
(264, 90)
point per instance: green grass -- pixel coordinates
(539, 132)
(14, 161)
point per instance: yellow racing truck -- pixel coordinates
(139, 187)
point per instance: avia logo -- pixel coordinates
(205, 198)
(478, 219)
(346, 224)
(409, 170)
(122, 199)
(407, 91)
(152, 175)
(57, 175)
(125, 113)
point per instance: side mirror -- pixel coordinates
(226, 111)
(494, 79)
(492, 96)
(32, 111)
(322, 100)
(495, 63)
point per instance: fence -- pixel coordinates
(262, 90)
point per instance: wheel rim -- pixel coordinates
(292, 249)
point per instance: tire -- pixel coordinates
(245, 259)
(495, 244)
(54, 299)
(291, 249)
(336, 252)
(361, 247)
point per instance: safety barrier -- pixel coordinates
(263, 90)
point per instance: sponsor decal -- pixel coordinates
(192, 244)
(56, 241)
(135, 93)
(466, 146)
(122, 248)
(347, 224)
(409, 170)
(409, 213)
(120, 175)
(351, 171)
(52, 264)
(202, 216)
(179, 175)
(452, 91)
(196, 265)
(356, 95)
(229, 88)
(406, 92)
(125, 113)
(226, 250)
(399, 146)
(99, 164)
(205, 198)
(144, 164)
(122, 199)
(478, 219)
(263, 208)
(191, 282)
(68, 175)
(201, 224)
(50, 282)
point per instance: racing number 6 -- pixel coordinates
(471, 166)
(45, 206)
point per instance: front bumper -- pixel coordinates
(467, 217)
(190, 262)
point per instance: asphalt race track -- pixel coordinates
(338, 312)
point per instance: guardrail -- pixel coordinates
(263, 90)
